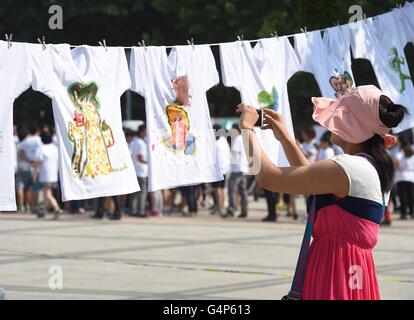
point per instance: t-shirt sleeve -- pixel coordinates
(292, 60)
(230, 64)
(42, 69)
(20, 76)
(211, 77)
(137, 71)
(122, 77)
(304, 51)
(363, 178)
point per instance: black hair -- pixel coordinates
(390, 115)
(141, 128)
(47, 137)
(326, 137)
(33, 128)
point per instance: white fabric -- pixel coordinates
(138, 147)
(85, 85)
(223, 154)
(152, 73)
(238, 156)
(251, 71)
(375, 40)
(327, 59)
(324, 154)
(15, 78)
(49, 157)
(364, 182)
(406, 16)
(406, 171)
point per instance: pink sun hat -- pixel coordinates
(354, 117)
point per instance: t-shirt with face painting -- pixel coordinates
(180, 135)
(327, 59)
(85, 85)
(15, 78)
(261, 75)
(380, 40)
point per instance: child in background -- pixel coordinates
(325, 147)
(48, 175)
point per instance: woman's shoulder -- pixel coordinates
(363, 178)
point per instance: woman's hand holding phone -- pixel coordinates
(273, 121)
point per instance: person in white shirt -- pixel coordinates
(223, 157)
(308, 145)
(28, 157)
(48, 174)
(325, 147)
(237, 179)
(139, 152)
(405, 184)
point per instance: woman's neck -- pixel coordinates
(352, 148)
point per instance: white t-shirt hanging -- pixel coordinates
(380, 40)
(261, 75)
(406, 16)
(85, 85)
(15, 78)
(180, 134)
(337, 42)
(327, 60)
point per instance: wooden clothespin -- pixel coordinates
(191, 43)
(305, 31)
(103, 44)
(9, 39)
(42, 42)
(275, 35)
(142, 45)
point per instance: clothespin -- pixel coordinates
(191, 43)
(305, 31)
(9, 40)
(275, 35)
(142, 44)
(103, 44)
(241, 39)
(42, 42)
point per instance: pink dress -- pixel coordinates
(340, 264)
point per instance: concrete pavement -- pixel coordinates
(203, 257)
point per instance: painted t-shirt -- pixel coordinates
(15, 78)
(327, 60)
(85, 85)
(406, 17)
(261, 75)
(180, 134)
(380, 41)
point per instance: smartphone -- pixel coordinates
(259, 122)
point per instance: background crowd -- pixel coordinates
(38, 189)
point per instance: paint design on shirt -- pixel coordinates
(91, 137)
(396, 62)
(268, 100)
(180, 140)
(342, 83)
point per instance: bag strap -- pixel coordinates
(297, 283)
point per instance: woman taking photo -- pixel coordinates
(349, 189)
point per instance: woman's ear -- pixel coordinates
(389, 140)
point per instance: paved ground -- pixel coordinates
(174, 257)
